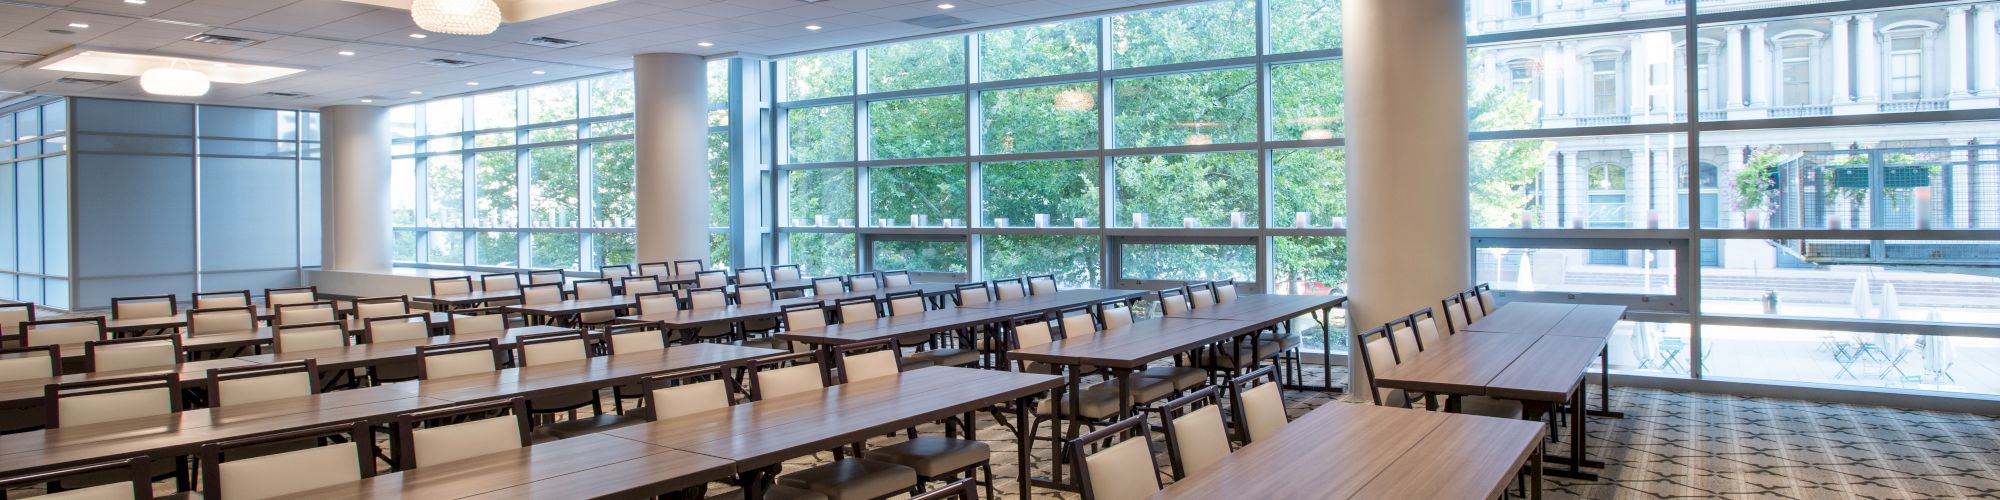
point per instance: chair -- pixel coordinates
(71, 404)
(971, 294)
(376, 307)
(238, 385)
(24, 363)
(786, 374)
(929, 457)
(546, 276)
(16, 313)
(1259, 408)
(1122, 471)
(499, 282)
(895, 278)
(1077, 320)
(218, 300)
(963, 489)
(866, 360)
(308, 336)
(614, 272)
(222, 320)
(1475, 305)
(655, 269)
(752, 276)
(787, 272)
(632, 286)
(1173, 301)
(456, 285)
(861, 282)
(145, 306)
(593, 289)
(658, 303)
(1114, 314)
(1010, 289)
(828, 286)
(305, 312)
(664, 396)
(688, 267)
(347, 456)
(492, 321)
(134, 353)
(134, 480)
(857, 309)
(541, 293)
(458, 358)
(1404, 332)
(711, 279)
(1377, 349)
(1031, 330)
(1429, 334)
(755, 295)
(1042, 285)
(707, 298)
(855, 477)
(1201, 295)
(396, 328)
(551, 348)
(1454, 313)
(274, 297)
(1196, 435)
(906, 303)
(503, 425)
(636, 337)
(803, 317)
(59, 332)
(1225, 291)
(1487, 303)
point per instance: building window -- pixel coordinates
(1906, 68)
(1795, 67)
(1521, 79)
(1604, 86)
(1523, 8)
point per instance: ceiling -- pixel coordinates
(388, 64)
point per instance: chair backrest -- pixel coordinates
(134, 353)
(308, 336)
(1173, 301)
(906, 303)
(1031, 330)
(456, 285)
(592, 288)
(1487, 302)
(1260, 408)
(103, 400)
(684, 393)
(854, 309)
(1201, 295)
(298, 295)
(1475, 305)
(828, 286)
(711, 279)
(866, 360)
(305, 312)
(759, 293)
(863, 281)
(1115, 314)
(376, 307)
(895, 278)
(132, 476)
(1044, 284)
(787, 272)
(498, 282)
(1077, 321)
(1012, 288)
(1378, 353)
(1122, 471)
(1405, 333)
(707, 298)
(397, 328)
(1225, 291)
(786, 374)
(63, 331)
(476, 323)
(972, 294)
(504, 427)
(553, 347)
(688, 267)
(1429, 334)
(347, 456)
(249, 384)
(221, 320)
(24, 363)
(1454, 313)
(655, 269)
(217, 300)
(803, 316)
(545, 276)
(752, 276)
(543, 293)
(635, 285)
(1195, 433)
(17, 313)
(659, 303)
(458, 358)
(636, 337)
(145, 306)
(614, 272)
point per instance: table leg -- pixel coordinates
(1123, 378)
(1024, 438)
(752, 483)
(1535, 472)
(1604, 395)
(1576, 459)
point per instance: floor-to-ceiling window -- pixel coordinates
(34, 203)
(1842, 225)
(1193, 142)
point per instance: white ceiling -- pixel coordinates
(387, 62)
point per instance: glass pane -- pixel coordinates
(446, 192)
(495, 110)
(1579, 82)
(549, 103)
(552, 134)
(1310, 188)
(822, 254)
(918, 127)
(1076, 261)
(820, 134)
(1306, 101)
(1058, 48)
(820, 75)
(1661, 349)
(556, 250)
(403, 246)
(1309, 265)
(447, 247)
(1037, 119)
(718, 179)
(612, 174)
(1187, 262)
(1826, 178)
(936, 256)
(1913, 362)
(1191, 190)
(489, 140)
(1500, 16)
(1577, 270)
(615, 248)
(921, 196)
(552, 198)
(1301, 25)
(444, 144)
(497, 199)
(1895, 280)
(403, 121)
(718, 249)
(444, 116)
(821, 197)
(914, 65)
(499, 249)
(1198, 32)
(1022, 192)
(1901, 61)
(1592, 182)
(611, 95)
(718, 84)
(1206, 107)
(403, 192)
(611, 128)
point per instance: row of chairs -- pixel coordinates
(860, 282)
(1125, 466)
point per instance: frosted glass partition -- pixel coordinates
(34, 202)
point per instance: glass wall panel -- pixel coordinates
(1588, 182)
(552, 198)
(1022, 193)
(1306, 101)
(1195, 109)
(922, 255)
(1308, 187)
(821, 197)
(494, 110)
(447, 247)
(1826, 178)
(915, 65)
(496, 183)
(1076, 261)
(822, 254)
(1198, 32)
(550, 103)
(918, 127)
(446, 192)
(556, 250)
(821, 75)
(1607, 271)
(610, 94)
(1187, 262)
(820, 134)
(1187, 191)
(498, 249)
(1057, 48)
(1852, 358)
(1302, 25)
(1895, 280)
(612, 164)
(615, 249)
(919, 196)
(1060, 117)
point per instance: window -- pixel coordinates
(1796, 68)
(1306, 101)
(815, 76)
(918, 127)
(1058, 48)
(1196, 32)
(821, 254)
(1604, 86)
(1522, 8)
(1074, 260)
(1199, 108)
(553, 193)
(1906, 68)
(1307, 184)
(1059, 117)
(1302, 25)
(921, 255)
(820, 197)
(820, 134)
(1187, 191)
(1023, 193)
(1188, 262)
(919, 196)
(916, 65)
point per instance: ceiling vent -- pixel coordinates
(377, 98)
(294, 95)
(938, 21)
(83, 81)
(234, 41)
(450, 63)
(551, 42)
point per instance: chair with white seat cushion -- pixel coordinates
(456, 285)
(23, 363)
(1259, 408)
(128, 479)
(752, 276)
(557, 347)
(308, 337)
(661, 302)
(218, 300)
(490, 321)
(632, 286)
(895, 278)
(972, 294)
(711, 279)
(221, 320)
(145, 306)
(12, 315)
(397, 328)
(72, 404)
(239, 385)
(831, 285)
(154, 352)
(274, 297)
(547, 277)
(1123, 471)
(1201, 295)
(1173, 301)
(1225, 291)
(501, 426)
(458, 358)
(930, 457)
(788, 374)
(1042, 285)
(1454, 313)
(656, 269)
(63, 333)
(688, 267)
(787, 272)
(614, 271)
(1009, 289)
(1195, 433)
(305, 312)
(664, 397)
(863, 282)
(1429, 333)
(258, 475)
(376, 307)
(594, 289)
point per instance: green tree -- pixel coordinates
(1502, 173)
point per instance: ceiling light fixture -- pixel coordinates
(416, 92)
(946, 6)
(104, 62)
(136, 2)
(706, 44)
(419, 35)
(346, 52)
(174, 81)
(79, 25)
(457, 17)
(812, 27)
(540, 72)
(470, 84)
(367, 100)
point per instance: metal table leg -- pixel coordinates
(1604, 396)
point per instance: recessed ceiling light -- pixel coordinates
(946, 6)
(416, 92)
(540, 72)
(419, 35)
(706, 44)
(136, 2)
(78, 25)
(471, 83)
(346, 52)
(812, 27)
(367, 100)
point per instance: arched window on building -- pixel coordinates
(1905, 68)
(1705, 74)
(1604, 83)
(1798, 68)
(1522, 75)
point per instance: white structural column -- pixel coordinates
(355, 172)
(1841, 93)
(1961, 64)
(1867, 63)
(1577, 77)
(1551, 87)
(1732, 54)
(1406, 141)
(1760, 67)
(671, 93)
(1638, 74)
(1985, 50)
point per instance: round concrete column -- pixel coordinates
(672, 143)
(355, 171)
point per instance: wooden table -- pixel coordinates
(929, 322)
(573, 376)
(1364, 451)
(1062, 299)
(1271, 310)
(760, 434)
(472, 299)
(573, 307)
(589, 466)
(29, 390)
(361, 355)
(933, 292)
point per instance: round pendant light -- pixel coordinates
(174, 81)
(457, 17)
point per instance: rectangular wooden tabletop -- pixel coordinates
(569, 376)
(1264, 307)
(31, 389)
(1523, 317)
(1463, 364)
(474, 297)
(1589, 320)
(927, 289)
(359, 355)
(762, 433)
(576, 306)
(1331, 452)
(1059, 300)
(693, 318)
(1134, 345)
(932, 321)
(1547, 371)
(570, 467)
(1465, 456)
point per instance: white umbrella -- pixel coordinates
(1892, 310)
(1524, 278)
(1860, 297)
(1937, 350)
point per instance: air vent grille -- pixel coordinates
(938, 21)
(293, 95)
(236, 41)
(551, 42)
(450, 63)
(83, 81)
